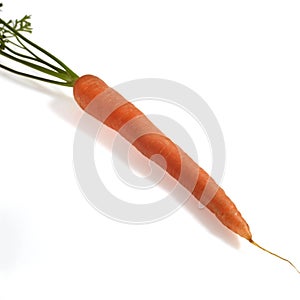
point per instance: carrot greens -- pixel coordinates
(16, 47)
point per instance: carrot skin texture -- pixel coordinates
(119, 114)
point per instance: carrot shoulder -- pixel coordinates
(105, 104)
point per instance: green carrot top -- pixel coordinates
(15, 46)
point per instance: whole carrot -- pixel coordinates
(116, 112)
(89, 88)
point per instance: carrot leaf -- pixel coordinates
(14, 46)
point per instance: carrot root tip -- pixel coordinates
(274, 254)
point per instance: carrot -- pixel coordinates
(88, 88)
(105, 104)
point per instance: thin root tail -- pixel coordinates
(255, 244)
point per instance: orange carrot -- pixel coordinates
(88, 88)
(105, 104)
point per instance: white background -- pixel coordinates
(243, 58)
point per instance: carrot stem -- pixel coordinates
(272, 253)
(10, 34)
(62, 83)
(37, 67)
(37, 58)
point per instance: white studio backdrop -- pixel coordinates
(243, 59)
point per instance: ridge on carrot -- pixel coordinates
(14, 46)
